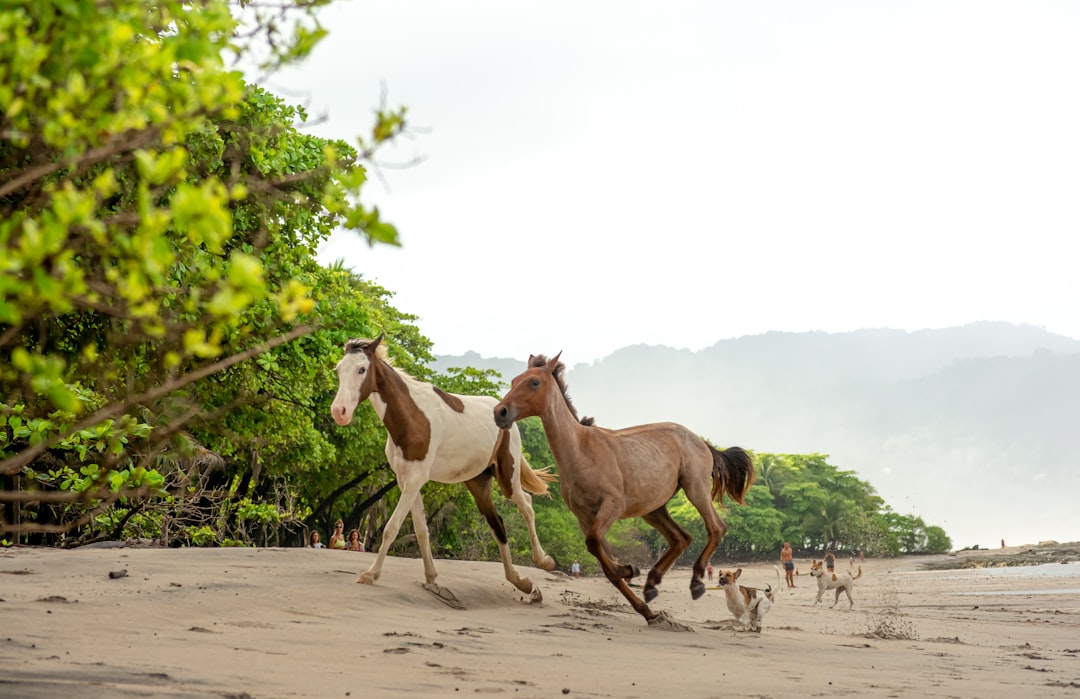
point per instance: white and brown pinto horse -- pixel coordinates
(437, 436)
(608, 475)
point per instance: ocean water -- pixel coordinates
(1035, 574)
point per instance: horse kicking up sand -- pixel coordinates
(437, 436)
(608, 475)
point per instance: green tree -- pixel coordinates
(158, 219)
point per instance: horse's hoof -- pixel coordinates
(663, 621)
(535, 597)
(366, 579)
(697, 589)
(650, 594)
(548, 564)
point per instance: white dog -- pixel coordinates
(831, 581)
(748, 604)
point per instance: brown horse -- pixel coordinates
(608, 475)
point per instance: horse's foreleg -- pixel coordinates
(480, 487)
(677, 539)
(623, 570)
(596, 542)
(419, 519)
(410, 492)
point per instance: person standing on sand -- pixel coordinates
(830, 561)
(788, 562)
(354, 543)
(313, 541)
(709, 571)
(575, 569)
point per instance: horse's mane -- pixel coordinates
(359, 344)
(541, 360)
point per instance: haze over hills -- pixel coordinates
(973, 428)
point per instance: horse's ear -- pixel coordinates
(554, 361)
(531, 358)
(370, 349)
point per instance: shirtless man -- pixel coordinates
(789, 564)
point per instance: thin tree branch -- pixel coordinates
(17, 462)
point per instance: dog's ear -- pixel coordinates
(738, 572)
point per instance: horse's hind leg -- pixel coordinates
(509, 470)
(697, 492)
(523, 501)
(480, 487)
(677, 538)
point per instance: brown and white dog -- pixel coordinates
(827, 580)
(748, 604)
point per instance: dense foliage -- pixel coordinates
(167, 338)
(158, 221)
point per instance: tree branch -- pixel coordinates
(17, 462)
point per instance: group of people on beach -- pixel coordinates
(337, 540)
(787, 559)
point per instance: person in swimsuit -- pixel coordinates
(788, 562)
(830, 560)
(337, 541)
(354, 543)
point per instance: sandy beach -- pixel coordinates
(267, 623)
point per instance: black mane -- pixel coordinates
(541, 360)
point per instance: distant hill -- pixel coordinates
(974, 428)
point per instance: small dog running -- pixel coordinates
(748, 604)
(843, 582)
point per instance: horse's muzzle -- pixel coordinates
(504, 416)
(341, 414)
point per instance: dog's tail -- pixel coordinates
(856, 577)
(772, 591)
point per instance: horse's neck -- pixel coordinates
(393, 393)
(564, 433)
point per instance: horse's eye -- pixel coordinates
(362, 370)
(535, 383)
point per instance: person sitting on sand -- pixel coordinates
(313, 541)
(337, 539)
(354, 543)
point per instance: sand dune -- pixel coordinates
(262, 623)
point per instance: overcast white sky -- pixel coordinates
(599, 174)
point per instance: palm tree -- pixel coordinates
(774, 472)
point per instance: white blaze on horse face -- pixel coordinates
(351, 370)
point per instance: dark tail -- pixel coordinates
(732, 473)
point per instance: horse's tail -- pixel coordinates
(533, 480)
(733, 473)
